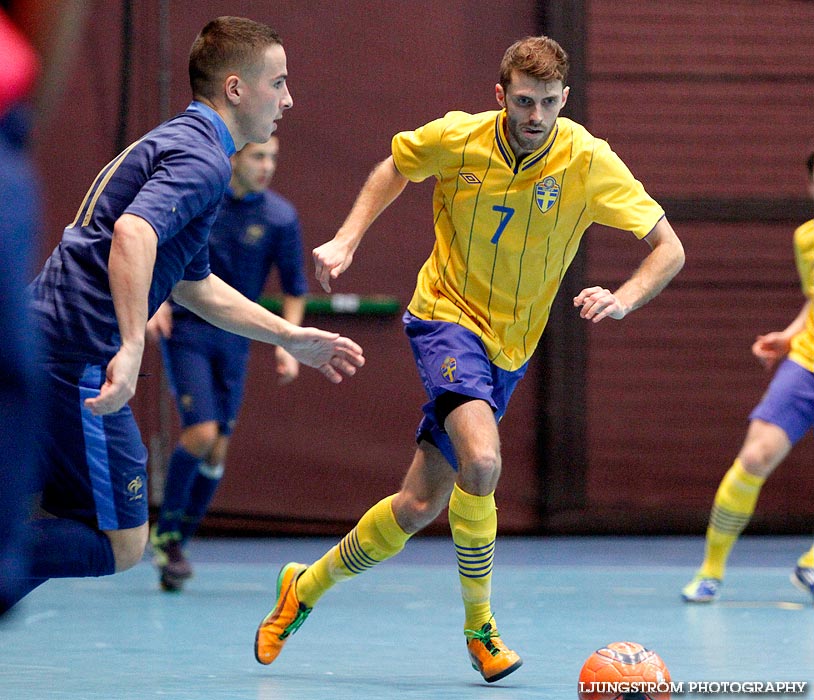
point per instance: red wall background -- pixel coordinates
(709, 106)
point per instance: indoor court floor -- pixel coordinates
(396, 631)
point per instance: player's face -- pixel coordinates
(264, 97)
(254, 166)
(532, 107)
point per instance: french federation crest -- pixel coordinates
(253, 233)
(135, 487)
(545, 193)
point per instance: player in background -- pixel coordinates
(515, 190)
(783, 416)
(38, 41)
(140, 234)
(18, 395)
(256, 229)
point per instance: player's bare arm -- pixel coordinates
(664, 261)
(160, 325)
(223, 306)
(132, 257)
(384, 184)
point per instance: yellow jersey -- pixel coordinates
(507, 230)
(802, 344)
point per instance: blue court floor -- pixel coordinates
(396, 631)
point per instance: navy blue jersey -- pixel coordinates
(249, 237)
(174, 177)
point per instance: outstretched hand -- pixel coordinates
(331, 259)
(597, 303)
(769, 349)
(330, 353)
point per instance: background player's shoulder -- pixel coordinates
(283, 211)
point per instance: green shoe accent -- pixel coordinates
(296, 623)
(164, 538)
(484, 635)
(168, 557)
(302, 612)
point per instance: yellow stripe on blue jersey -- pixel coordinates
(98, 186)
(802, 344)
(506, 231)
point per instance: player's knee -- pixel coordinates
(199, 439)
(759, 459)
(765, 447)
(480, 470)
(128, 546)
(413, 513)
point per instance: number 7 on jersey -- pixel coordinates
(507, 214)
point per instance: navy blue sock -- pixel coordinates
(180, 477)
(200, 496)
(65, 548)
(62, 548)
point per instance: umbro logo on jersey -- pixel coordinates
(470, 178)
(545, 193)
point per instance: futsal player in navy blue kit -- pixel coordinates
(37, 43)
(141, 233)
(17, 228)
(256, 229)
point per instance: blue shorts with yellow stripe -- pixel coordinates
(789, 401)
(91, 468)
(451, 358)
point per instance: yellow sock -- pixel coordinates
(807, 560)
(376, 537)
(732, 509)
(473, 520)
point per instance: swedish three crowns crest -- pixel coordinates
(545, 193)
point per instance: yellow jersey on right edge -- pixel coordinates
(802, 344)
(506, 231)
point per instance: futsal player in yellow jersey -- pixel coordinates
(515, 190)
(783, 416)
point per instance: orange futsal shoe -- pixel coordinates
(286, 618)
(489, 654)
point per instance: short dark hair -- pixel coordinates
(538, 56)
(224, 45)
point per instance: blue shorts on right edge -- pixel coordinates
(451, 358)
(789, 401)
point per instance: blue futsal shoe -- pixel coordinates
(701, 590)
(803, 578)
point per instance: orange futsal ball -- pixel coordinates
(624, 671)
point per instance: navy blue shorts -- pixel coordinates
(789, 401)
(451, 358)
(207, 373)
(91, 468)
